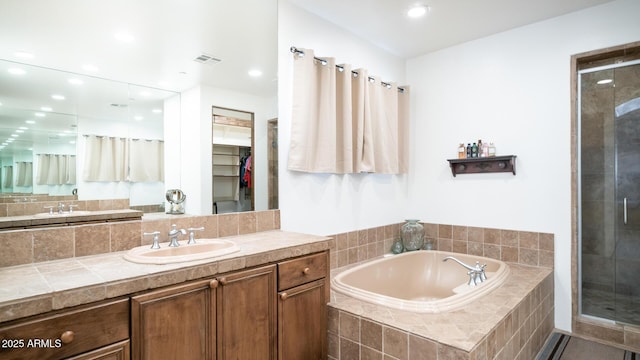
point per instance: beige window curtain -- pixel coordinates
(146, 160)
(106, 158)
(346, 121)
(56, 169)
(122, 159)
(7, 177)
(24, 173)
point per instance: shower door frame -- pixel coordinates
(579, 183)
(607, 331)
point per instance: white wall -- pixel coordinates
(328, 204)
(514, 89)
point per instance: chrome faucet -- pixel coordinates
(173, 235)
(476, 273)
(192, 235)
(60, 208)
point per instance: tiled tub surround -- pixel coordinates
(32, 289)
(55, 243)
(512, 322)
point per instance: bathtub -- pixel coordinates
(419, 281)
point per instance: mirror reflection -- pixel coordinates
(209, 53)
(49, 119)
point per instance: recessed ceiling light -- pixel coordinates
(39, 114)
(57, 97)
(19, 131)
(72, 142)
(30, 122)
(255, 73)
(23, 54)
(124, 37)
(417, 11)
(15, 135)
(23, 128)
(10, 140)
(16, 71)
(156, 111)
(46, 108)
(605, 81)
(75, 81)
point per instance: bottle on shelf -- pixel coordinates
(474, 150)
(491, 150)
(480, 146)
(468, 151)
(462, 151)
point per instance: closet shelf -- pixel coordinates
(495, 164)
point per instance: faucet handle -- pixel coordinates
(50, 207)
(71, 206)
(156, 239)
(192, 236)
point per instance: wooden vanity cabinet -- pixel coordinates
(302, 307)
(97, 331)
(232, 316)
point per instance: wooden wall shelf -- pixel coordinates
(494, 164)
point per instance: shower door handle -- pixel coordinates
(624, 210)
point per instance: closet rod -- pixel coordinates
(299, 52)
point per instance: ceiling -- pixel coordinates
(384, 22)
(167, 35)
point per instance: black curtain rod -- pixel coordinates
(299, 52)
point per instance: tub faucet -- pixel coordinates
(173, 235)
(476, 273)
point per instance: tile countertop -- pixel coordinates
(37, 288)
(25, 221)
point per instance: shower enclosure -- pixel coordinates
(609, 192)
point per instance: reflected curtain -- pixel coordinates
(7, 177)
(106, 158)
(346, 121)
(56, 169)
(24, 173)
(146, 160)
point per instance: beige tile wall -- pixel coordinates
(31, 208)
(521, 247)
(44, 244)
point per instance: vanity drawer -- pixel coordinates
(302, 270)
(66, 334)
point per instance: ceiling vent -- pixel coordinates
(206, 59)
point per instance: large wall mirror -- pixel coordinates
(47, 117)
(167, 50)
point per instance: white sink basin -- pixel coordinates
(203, 249)
(64, 214)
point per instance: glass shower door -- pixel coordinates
(627, 218)
(610, 192)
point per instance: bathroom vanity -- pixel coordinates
(267, 301)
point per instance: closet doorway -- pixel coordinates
(232, 160)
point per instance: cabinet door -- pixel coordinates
(302, 322)
(118, 351)
(246, 314)
(174, 323)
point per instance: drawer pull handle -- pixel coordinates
(213, 283)
(284, 296)
(67, 337)
(223, 281)
(306, 271)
